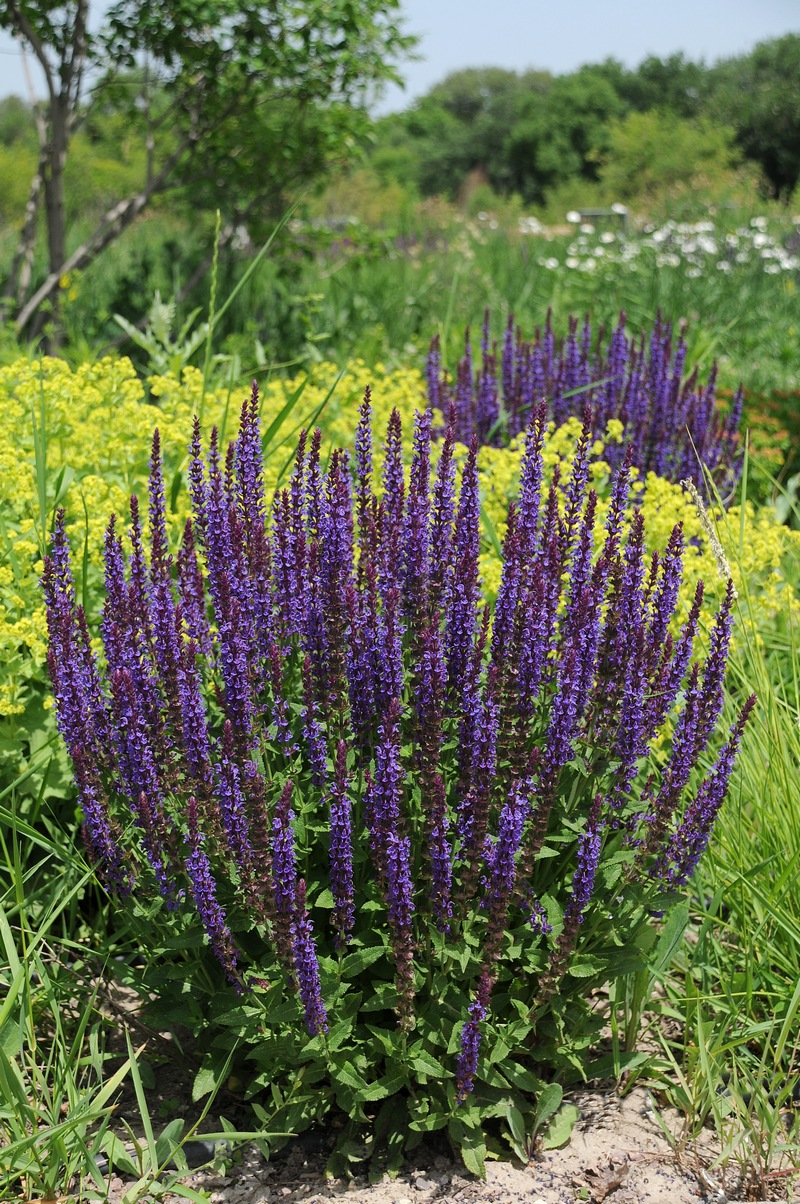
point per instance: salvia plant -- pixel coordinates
(671, 423)
(416, 836)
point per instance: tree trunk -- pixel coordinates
(111, 225)
(55, 158)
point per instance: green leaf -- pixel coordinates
(118, 1157)
(584, 966)
(547, 1103)
(168, 1140)
(384, 999)
(521, 1078)
(355, 962)
(671, 936)
(560, 1128)
(471, 1144)
(325, 899)
(424, 1063)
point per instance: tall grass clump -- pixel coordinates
(735, 988)
(670, 422)
(381, 836)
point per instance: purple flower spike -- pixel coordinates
(204, 893)
(467, 1065)
(306, 967)
(588, 861)
(284, 870)
(341, 851)
(679, 859)
(463, 603)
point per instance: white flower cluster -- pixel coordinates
(696, 248)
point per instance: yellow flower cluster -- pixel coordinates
(83, 436)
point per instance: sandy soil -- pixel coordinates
(619, 1152)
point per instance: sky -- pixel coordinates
(556, 36)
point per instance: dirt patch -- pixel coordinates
(619, 1152)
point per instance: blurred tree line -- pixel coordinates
(529, 133)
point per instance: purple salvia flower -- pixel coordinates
(539, 922)
(137, 586)
(464, 398)
(232, 805)
(284, 872)
(472, 709)
(400, 906)
(442, 520)
(81, 707)
(462, 614)
(583, 882)
(389, 683)
(415, 537)
(511, 585)
(487, 402)
(433, 375)
(683, 757)
(249, 467)
(387, 787)
(137, 759)
(363, 459)
(393, 479)
(475, 790)
(575, 492)
(341, 850)
(198, 489)
(510, 397)
(100, 840)
(679, 859)
(314, 500)
(164, 619)
(530, 486)
(361, 668)
(312, 730)
(440, 854)
(192, 592)
(280, 713)
(204, 893)
(586, 869)
(194, 720)
(306, 966)
(712, 696)
(471, 1039)
(665, 598)
(563, 720)
(500, 876)
(297, 534)
(668, 680)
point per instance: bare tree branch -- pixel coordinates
(111, 225)
(25, 30)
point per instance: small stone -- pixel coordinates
(422, 1184)
(286, 1191)
(403, 1200)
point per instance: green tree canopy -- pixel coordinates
(760, 94)
(238, 100)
